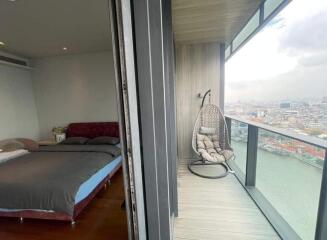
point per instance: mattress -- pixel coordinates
(87, 187)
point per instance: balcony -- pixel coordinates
(278, 190)
(214, 209)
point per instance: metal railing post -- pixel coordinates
(229, 128)
(251, 156)
(321, 227)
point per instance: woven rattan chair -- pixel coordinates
(210, 118)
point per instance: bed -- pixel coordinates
(58, 182)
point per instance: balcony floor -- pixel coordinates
(213, 209)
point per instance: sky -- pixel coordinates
(286, 60)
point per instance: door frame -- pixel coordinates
(123, 53)
(144, 63)
(152, 22)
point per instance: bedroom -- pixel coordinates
(82, 66)
(57, 68)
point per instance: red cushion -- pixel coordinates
(93, 129)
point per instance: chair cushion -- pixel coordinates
(215, 140)
(208, 143)
(212, 156)
(228, 154)
(209, 148)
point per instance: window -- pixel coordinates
(278, 77)
(270, 6)
(256, 21)
(249, 28)
(289, 175)
(227, 52)
(239, 140)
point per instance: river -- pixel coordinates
(290, 185)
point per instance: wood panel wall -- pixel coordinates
(197, 70)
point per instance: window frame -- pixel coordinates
(262, 23)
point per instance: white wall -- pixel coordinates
(74, 88)
(18, 114)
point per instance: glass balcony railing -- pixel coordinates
(284, 174)
(239, 138)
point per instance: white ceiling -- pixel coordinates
(41, 28)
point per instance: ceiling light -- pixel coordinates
(64, 48)
(2, 43)
(12, 0)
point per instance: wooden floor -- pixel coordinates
(103, 219)
(213, 209)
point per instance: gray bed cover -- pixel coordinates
(49, 178)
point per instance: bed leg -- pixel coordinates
(21, 220)
(72, 223)
(109, 182)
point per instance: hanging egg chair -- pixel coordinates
(210, 142)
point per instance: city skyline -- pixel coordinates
(299, 116)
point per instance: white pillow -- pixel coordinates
(5, 156)
(207, 131)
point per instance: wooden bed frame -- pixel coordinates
(79, 207)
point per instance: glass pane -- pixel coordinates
(278, 78)
(270, 6)
(249, 28)
(289, 175)
(239, 143)
(227, 52)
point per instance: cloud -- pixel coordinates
(304, 83)
(307, 35)
(285, 60)
(314, 59)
